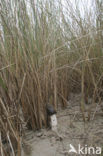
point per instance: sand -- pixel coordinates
(72, 130)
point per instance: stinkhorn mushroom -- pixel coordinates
(52, 119)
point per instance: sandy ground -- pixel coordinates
(72, 130)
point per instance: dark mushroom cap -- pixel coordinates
(50, 110)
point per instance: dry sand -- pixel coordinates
(72, 129)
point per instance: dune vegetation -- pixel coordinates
(48, 49)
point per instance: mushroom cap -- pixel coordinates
(50, 110)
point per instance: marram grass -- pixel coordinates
(46, 52)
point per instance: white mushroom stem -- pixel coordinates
(53, 122)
